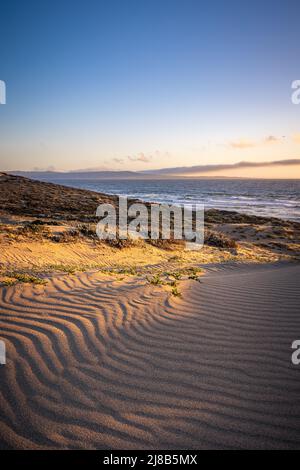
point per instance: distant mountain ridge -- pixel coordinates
(173, 172)
(218, 167)
(71, 175)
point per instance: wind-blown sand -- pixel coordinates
(98, 363)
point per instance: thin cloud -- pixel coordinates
(242, 144)
(271, 139)
(141, 157)
(245, 143)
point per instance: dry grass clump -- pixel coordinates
(167, 244)
(120, 243)
(88, 230)
(12, 278)
(219, 240)
(66, 237)
(33, 229)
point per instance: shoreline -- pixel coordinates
(114, 196)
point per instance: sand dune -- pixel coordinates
(98, 363)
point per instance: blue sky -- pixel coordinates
(147, 84)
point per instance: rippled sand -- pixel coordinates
(99, 363)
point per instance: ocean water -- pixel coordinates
(276, 198)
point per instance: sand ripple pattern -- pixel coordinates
(97, 363)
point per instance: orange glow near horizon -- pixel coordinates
(267, 172)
